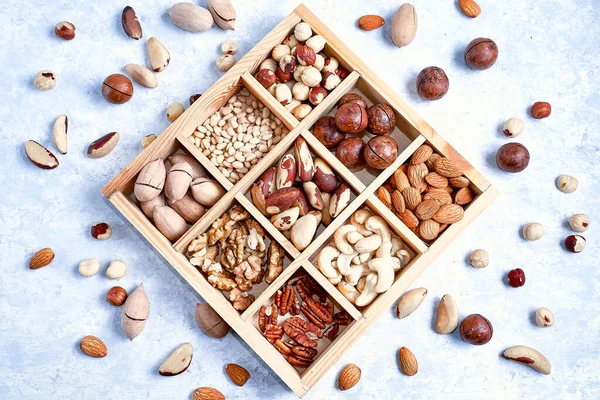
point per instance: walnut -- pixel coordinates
(206, 253)
(219, 278)
(249, 269)
(274, 261)
(222, 227)
(241, 300)
(198, 244)
(256, 236)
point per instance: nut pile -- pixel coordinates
(363, 258)
(176, 198)
(234, 256)
(238, 135)
(301, 294)
(298, 207)
(298, 73)
(353, 117)
(427, 194)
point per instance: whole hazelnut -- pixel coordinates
(512, 157)
(513, 127)
(279, 51)
(352, 98)
(381, 152)
(381, 119)
(316, 95)
(327, 132)
(229, 47)
(117, 89)
(342, 73)
(283, 94)
(432, 83)
(116, 296)
(544, 317)
(319, 62)
(317, 42)
(311, 77)
(330, 81)
(225, 62)
(298, 72)
(300, 91)
(45, 80)
(282, 75)
(351, 118)
(266, 78)
(101, 231)
(567, 183)
(480, 258)
(288, 64)
(476, 329)
(516, 277)
(291, 41)
(540, 110)
(269, 64)
(300, 112)
(65, 30)
(331, 64)
(302, 32)
(575, 243)
(306, 55)
(194, 97)
(533, 231)
(579, 222)
(481, 53)
(350, 152)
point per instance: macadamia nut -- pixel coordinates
(89, 267)
(116, 270)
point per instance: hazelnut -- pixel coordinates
(282, 75)
(317, 43)
(229, 47)
(342, 73)
(292, 105)
(116, 296)
(283, 94)
(298, 72)
(540, 110)
(476, 329)
(45, 80)
(516, 277)
(567, 183)
(579, 222)
(279, 51)
(575, 243)
(331, 64)
(481, 53)
(351, 118)
(288, 64)
(101, 231)
(350, 152)
(269, 64)
(513, 127)
(194, 97)
(300, 112)
(319, 62)
(225, 62)
(381, 119)
(432, 83)
(317, 94)
(352, 98)
(117, 89)
(480, 258)
(266, 78)
(330, 81)
(290, 41)
(533, 231)
(306, 55)
(311, 76)
(512, 157)
(544, 317)
(65, 30)
(327, 132)
(302, 32)
(300, 91)
(174, 111)
(381, 152)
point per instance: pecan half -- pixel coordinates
(332, 332)
(273, 333)
(267, 315)
(285, 299)
(304, 332)
(306, 352)
(298, 361)
(311, 315)
(342, 318)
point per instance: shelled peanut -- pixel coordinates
(298, 207)
(363, 258)
(354, 117)
(428, 193)
(298, 74)
(238, 135)
(300, 295)
(234, 256)
(176, 198)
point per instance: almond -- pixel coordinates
(207, 393)
(416, 176)
(422, 154)
(408, 218)
(93, 347)
(446, 167)
(459, 182)
(398, 201)
(349, 376)
(470, 8)
(41, 258)
(427, 209)
(40, 156)
(385, 197)
(449, 214)
(412, 198)
(408, 362)
(431, 161)
(238, 374)
(463, 196)
(370, 22)
(399, 180)
(440, 195)
(436, 180)
(429, 229)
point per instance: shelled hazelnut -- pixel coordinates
(575, 243)
(513, 127)
(516, 277)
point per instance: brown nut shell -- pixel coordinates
(481, 53)
(350, 152)
(103, 146)
(351, 118)
(432, 83)
(381, 152)
(476, 329)
(117, 89)
(327, 132)
(381, 119)
(512, 157)
(352, 98)
(131, 24)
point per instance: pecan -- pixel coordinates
(299, 361)
(286, 300)
(267, 315)
(342, 318)
(283, 347)
(332, 332)
(273, 333)
(304, 332)
(311, 287)
(296, 306)
(312, 316)
(306, 352)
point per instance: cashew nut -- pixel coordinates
(368, 244)
(351, 273)
(397, 245)
(368, 294)
(358, 220)
(378, 225)
(528, 356)
(348, 291)
(385, 273)
(360, 286)
(339, 237)
(336, 280)
(325, 260)
(353, 237)
(404, 257)
(385, 251)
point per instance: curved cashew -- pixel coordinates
(385, 273)
(356, 260)
(397, 244)
(358, 220)
(377, 225)
(386, 251)
(336, 280)
(353, 237)
(348, 291)
(368, 244)
(368, 293)
(360, 286)
(352, 273)
(339, 237)
(325, 260)
(404, 257)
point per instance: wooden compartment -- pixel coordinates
(410, 132)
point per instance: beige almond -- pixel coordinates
(412, 198)
(141, 75)
(169, 223)
(459, 182)
(463, 196)
(446, 319)
(238, 374)
(410, 301)
(404, 25)
(408, 218)
(398, 201)
(399, 180)
(422, 154)
(158, 54)
(449, 214)
(427, 209)
(436, 180)
(93, 347)
(190, 17)
(429, 229)
(408, 362)
(223, 13)
(446, 167)
(385, 197)
(470, 8)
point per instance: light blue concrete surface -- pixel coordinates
(548, 51)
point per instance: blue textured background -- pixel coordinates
(548, 51)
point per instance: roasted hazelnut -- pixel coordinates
(513, 127)
(266, 78)
(476, 329)
(541, 110)
(331, 64)
(305, 54)
(194, 97)
(352, 98)
(350, 152)
(327, 132)
(117, 89)
(282, 75)
(288, 64)
(316, 95)
(279, 51)
(116, 296)
(45, 80)
(330, 80)
(342, 73)
(300, 91)
(65, 30)
(481, 53)
(283, 94)
(516, 277)
(381, 152)
(575, 243)
(579, 222)
(512, 157)
(311, 77)
(381, 119)
(300, 112)
(432, 83)
(351, 118)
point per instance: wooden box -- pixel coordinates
(411, 132)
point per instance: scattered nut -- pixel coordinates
(40, 156)
(476, 329)
(533, 231)
(470, 8)
(93, 347)
(117, 89)
(42, 258)
(103, 146)
(480, 258)
(148, 139)
(116, 296)
(194, 97)
(432, 83)
(178, 361)
(135, 313)
(513, 127)
(89, 267)
(207, 393)
(512, 157)
(229, 47)
(65, 30)
(141, 75)
(410, 301)
(174, 111)
(544, 318)
(131, 24)
(158, 54)
(191, 17)
(116, 270)
(59, 132)
(481, 53)
(408, 362)
(238, 374)
(541, 110)
(447, 315)
(404, 25)
(225, 62)
(101, 231)
(575, 243)
(528, 356)
(579, 222)
(45, 80)
(567, 183)
(223, 13)
(349, 377)
(370, 22)
(516, 277)
(210, 322)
